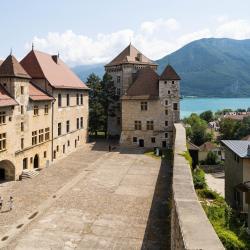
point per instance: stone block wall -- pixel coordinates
(190, 227)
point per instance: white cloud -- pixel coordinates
(237, 29)
(154, 38)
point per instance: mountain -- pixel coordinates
(212, 67)
(83, 71)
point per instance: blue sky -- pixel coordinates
(88, 32)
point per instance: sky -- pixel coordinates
(94, 31)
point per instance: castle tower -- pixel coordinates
(123, 69)
(169, 91)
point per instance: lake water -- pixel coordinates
(198, 105)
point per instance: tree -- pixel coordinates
(101, 98)
(207, 116)
(212, 158)
(228, 128)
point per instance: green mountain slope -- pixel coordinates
(212, 67)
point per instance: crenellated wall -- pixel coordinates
(190, 227)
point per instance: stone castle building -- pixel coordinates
(149, 104)
(43, 113)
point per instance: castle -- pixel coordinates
(43, 113)
(149, 104)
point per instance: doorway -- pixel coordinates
(25, 163)
(164, 144)
(2, 174)
(141, 143)
(36, 161)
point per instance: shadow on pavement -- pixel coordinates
(158, 230)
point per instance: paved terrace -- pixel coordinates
(90, 200)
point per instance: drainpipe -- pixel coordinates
(52, 129)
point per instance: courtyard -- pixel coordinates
(92, 199)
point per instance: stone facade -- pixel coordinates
(29, 129)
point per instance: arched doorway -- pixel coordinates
(36, 161)
(7, 171)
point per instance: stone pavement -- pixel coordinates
(106, 201)
(216, 181)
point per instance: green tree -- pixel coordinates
(207, 116)
(212, 158)
(228, 128)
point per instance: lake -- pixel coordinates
(198, 105)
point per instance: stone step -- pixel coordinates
(28, 174)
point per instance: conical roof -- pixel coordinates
(130, 55)
(169, 74)
(12, 68)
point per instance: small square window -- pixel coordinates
(134, 139)
(166, 102)
(153, 139)
(166, 135)
(172, 82)
(169, 92)
(166, 123)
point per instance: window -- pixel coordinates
(118, 121)
(2, 141)
(46, 109)
(22, 126)
(153, 139)
(134, 139)
(237, 198)
(22, 90)
(57, 148)
(118, 91)
(68, 143)
(172, 82)
(46, 134)
(25, 163)
(166, 135)
(165, 82)
(36, 110)
(59, 128)
(31, 159)
(68, 100)
(150, 125)
(67, 126)
(22, 143)
(175, 106)
(166, 123)
(45, 154)
(166, 102)
(59, 100)
(81, 122)
(77, 99)
(2, 118)
(34, 137)
(40, 135)
(137, 125)
(77, 123)
(118, 79)
(22, 109)
(169, 92)
(166, 111)
(118, 106)
(64, 149)
(144, 106)
(81, 99)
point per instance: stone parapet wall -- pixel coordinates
(190, 227)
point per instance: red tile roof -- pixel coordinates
(37, 94)
(130, 55)
(145, 84)
(169, 74)
(5, 98)
(208, 146)
(42, 65)
(12, 68)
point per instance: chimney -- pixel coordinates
(56, 58)
(248, 150)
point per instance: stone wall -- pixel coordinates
(190, 227)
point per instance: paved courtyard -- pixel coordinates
(92, 199)
(216, 181)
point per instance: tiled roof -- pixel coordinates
(145, 84)
(5, 98)
(169, 74)
(42, 65)
(12, 68)
(37, 94)
(238, 147)
(192, 146)
(130, 55)
(208, 146)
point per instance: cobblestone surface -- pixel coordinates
(107, 208)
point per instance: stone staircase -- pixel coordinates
(28, 174)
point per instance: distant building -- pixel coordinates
(149, 103)
(237, 172)
(43, 112)
(207, 147)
